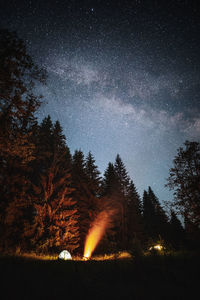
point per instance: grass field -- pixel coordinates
(152, 277)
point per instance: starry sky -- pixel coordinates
(123, 77)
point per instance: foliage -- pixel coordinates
(184, 179)
(18, 103)
(155, 219)
(55, 222)
(84, 195)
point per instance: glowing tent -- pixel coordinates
(65, 255)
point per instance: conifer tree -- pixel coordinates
(123, 183)
(93, 175)
(155, 219)
(184, 179)
(18, 104)
(110, 188)
(83, 194)
(115, 187)
(109, 183)
(55, 223)
(177, 235)
(148, 215)
(161, 219)
(122, 175)
(135, 230)
(109, 200)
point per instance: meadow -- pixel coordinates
(148, 277)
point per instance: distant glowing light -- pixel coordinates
(156, 247)
(65, 255)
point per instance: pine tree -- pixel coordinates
(86, 204)
(122, 175)
(55, 223)
(115, 186)
(177, 235)
(184, 179)
(123, 184)
(109, 201)
(155, 219)
(109, 183)
(161, 219)
(18, 104)
(149, 216)
(135, 230)
(93, 175)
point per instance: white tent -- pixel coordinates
(65, 255)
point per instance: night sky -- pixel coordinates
(123, 77)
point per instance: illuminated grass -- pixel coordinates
(111, 256)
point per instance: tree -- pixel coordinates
(135, 228)
(109, 185)
(18, 101)
(177, 234)
(115, 187)
(55, 224)
(184, 179)
(155, 219)
(123, 184)
(18, 104)
(93, 175)
(161, 219)
(86, 203)
(148, 215)
(122, 175)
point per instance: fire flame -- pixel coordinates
(96, 232)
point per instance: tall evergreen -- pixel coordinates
(55, 224)
(18, 104)
(115, 188)
(149, 216)
(109, 183)
(135, 228)
(184, 178)
(122, 175)
(177, 234)
(83, 194)
(93, 175)
(123, 183)
(161, 219)
(155, 219)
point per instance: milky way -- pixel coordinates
(122, 78)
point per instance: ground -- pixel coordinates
(155, 277)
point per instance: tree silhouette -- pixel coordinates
(93, 175)
(184, 179)
(55, 223)
(177, 234)
(155, 219)
(18, 104)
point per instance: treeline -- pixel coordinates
(50, 197)
(51, 201)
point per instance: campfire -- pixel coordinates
(95, 233)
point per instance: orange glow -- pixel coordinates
(157, 247)
(95, 234)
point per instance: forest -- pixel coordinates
(50, 197)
